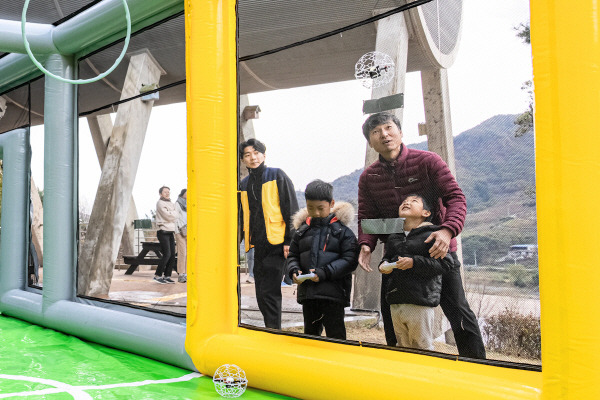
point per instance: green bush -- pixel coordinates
(535, 279)
(518, 275)
(513, 333)
(519, 283)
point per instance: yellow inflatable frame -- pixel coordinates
(566, 55)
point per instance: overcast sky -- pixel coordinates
(314, 132)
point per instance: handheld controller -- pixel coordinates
(387, 266)
(304, 277)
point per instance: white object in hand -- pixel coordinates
(304, 277)
(387, 266)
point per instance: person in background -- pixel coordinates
(181, 235)
(166, 222)
(267, 200)
(250, 262)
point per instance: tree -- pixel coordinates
(524, 121)
(523, 32)
(518, 274)
(529, 191)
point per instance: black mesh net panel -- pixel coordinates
(304, 80)
(17, 106)
(161, 161)
(165, 42)
(16, 109)
(440, 18)
(267, 25)
(259, 35)
(44, 12)
(20, 109)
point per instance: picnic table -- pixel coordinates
(143, 259)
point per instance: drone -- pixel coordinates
(374, 69)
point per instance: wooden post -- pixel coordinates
(37, 223)
(109, 213)
(438, 126)
(392, 39)
(246, 132)
(101, 127)
(440, 140)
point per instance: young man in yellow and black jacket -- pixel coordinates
(268, 201)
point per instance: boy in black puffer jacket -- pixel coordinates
(325, 246)
(413, 290)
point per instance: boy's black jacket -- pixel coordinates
(421, 284)
(328, 246)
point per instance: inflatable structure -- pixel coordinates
(566, 48)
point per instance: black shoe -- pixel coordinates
(160, 280)
(168, 279)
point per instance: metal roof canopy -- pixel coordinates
(84, 26)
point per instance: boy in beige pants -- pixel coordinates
(414, 287)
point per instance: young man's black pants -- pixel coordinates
(268, 271)
(324, 313)
(456, 308)
(167, 247)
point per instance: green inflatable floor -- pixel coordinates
(39, 363)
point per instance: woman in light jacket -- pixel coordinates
(181, 235)
(166, 222)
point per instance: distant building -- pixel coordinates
(519, 252)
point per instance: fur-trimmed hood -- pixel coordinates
(343, 211)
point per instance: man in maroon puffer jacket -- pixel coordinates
(383, 186)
